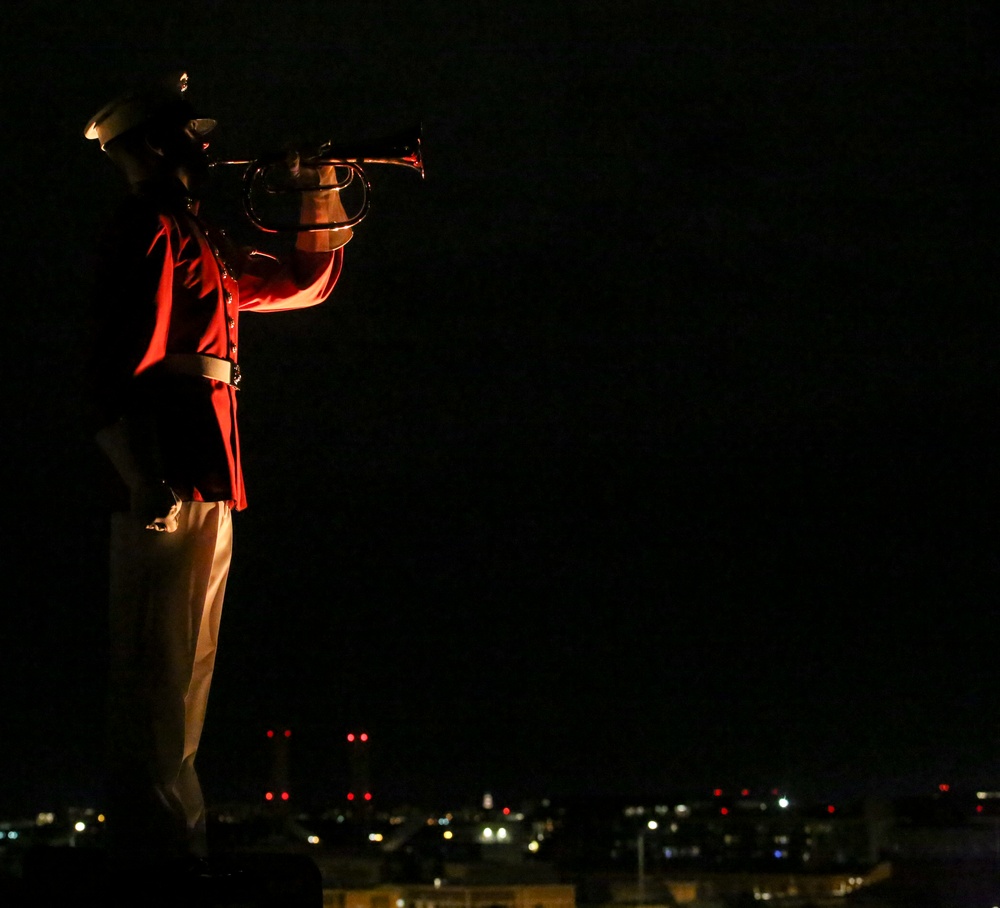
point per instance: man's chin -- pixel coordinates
(197, 182)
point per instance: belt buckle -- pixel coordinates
(237, 376)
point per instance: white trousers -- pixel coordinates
(166, 604)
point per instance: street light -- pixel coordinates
(640, 845)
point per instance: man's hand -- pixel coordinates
(156, 506)
(306, 176)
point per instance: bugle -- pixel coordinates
(400, 149)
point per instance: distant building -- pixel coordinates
(444, 896)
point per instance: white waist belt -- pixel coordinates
(201, 365)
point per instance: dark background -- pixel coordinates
(648, 443)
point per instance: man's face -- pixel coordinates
(193, 155)
(184, 151)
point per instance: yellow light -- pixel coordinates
(313, 840)
(100, 818)
(533, 847)
(448, 834)
(375, 837)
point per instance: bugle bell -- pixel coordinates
(400, 149)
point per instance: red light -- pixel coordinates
(350, 796)
(717, 792)
(745, 792)
(979, 808)
(350, 737)
(944, 787)
(830, 808)
(288, 733)
(724, 811)
(284, 796)
(774, 791)
(364, 737)
(506, 811)
(270, 733)
(269, 796)
(368, 795)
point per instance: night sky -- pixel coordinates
(649, 443)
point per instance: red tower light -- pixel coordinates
(506, 811)
(724, 811)
(717, 792)
(830, 808)
(745, 792)
(368, 795)
(284, 796)
(350, 737)
(288, 732)
(269, 796)
(364, 737)
(270, 732)
(350, 796)
(944, 787)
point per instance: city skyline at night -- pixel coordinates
(648, 444)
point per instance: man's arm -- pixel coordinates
(132, 447)
(130, 324)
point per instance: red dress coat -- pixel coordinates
(169, 284)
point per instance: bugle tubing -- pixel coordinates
(400, 149)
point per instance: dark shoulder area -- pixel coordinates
(133, 225)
